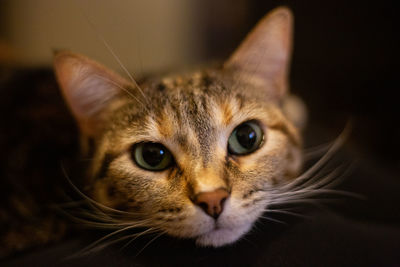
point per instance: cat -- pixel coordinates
(198, 155)
(194, 155)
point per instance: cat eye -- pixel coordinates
(245, 138)
(152, 156)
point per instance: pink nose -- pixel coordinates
(212, 202)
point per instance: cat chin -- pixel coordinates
(221, 237)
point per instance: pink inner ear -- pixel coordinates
(265, 53)
(87, 87)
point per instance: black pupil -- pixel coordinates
(246, 136)
(153, 154)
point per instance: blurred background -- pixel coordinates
(345, 63)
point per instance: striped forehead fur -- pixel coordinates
(190, 114)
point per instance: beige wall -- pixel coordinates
(147, 35)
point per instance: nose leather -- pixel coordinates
(212, 202)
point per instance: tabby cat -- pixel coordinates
(194, 155)
(198, 155)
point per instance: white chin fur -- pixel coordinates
(222, 237)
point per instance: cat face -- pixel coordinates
(194, 155)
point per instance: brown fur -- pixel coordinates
(192, 115)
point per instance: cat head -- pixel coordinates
(193, 155)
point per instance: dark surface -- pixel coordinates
(324, 239)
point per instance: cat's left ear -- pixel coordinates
(264, 56)
(88, 88)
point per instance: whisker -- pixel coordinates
(148, 243)
(339, 179)
(315, 202)
(319, 181)
(338, 143)
(78, 219)
(98, 204)
(94, 220)
(99, 247)
(120, 87)
(135, 237)
(98, 217)
(111, 51)
(285, 212)
(94, 244)
(272, 220)
(316, 151)
(310, 193)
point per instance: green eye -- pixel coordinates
(246, 138)
(152, 156)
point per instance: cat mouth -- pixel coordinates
(213, 229)
(217, 226)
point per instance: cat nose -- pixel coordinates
(212, 202)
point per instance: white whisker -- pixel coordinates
(318, 181)
(285, 212)
(94, 244)
(317, 151)
(98, 247)
(338, 143)
(272, 220)
(135, 237)
(105, 43)
(120, 87)
(148, 243)
(315, 202)
(92, 201)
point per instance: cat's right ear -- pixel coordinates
(88, 88)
